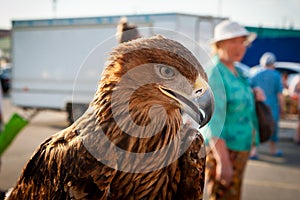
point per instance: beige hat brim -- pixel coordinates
(250, 37)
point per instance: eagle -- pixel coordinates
(139, 138)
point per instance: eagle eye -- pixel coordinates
(165, 71)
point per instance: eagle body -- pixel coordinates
(132, 142)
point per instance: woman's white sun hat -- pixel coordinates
(228, 29)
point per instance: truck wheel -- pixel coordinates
(75, 111)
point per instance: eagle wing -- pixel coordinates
(62, 168)
(192, 167)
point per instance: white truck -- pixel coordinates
(57, 63)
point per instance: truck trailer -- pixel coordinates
(57, 63)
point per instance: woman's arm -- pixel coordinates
(224, 170)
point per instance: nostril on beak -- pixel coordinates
(198, 92)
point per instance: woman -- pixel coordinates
(233, 128)
(269, 80)
(294, 92)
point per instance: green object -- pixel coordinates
(263, 32)
(11, 130)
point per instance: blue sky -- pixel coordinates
(266, 13)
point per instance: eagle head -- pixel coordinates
(156, 72)
(147, 87)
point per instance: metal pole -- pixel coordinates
(219, 8)
(54, 7)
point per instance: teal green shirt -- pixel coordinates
(234, 118)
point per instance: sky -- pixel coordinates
(266, 13)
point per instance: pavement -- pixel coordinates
(268, 178)
(276, 178)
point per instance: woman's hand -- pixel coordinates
(224, 170)
(259, 94)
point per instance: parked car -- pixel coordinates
(5, 78)
(283, 67)
(245, 68)
(288, 67)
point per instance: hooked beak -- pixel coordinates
(199, 105)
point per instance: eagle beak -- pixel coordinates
(199, 105)
(204, 100)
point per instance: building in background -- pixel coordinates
(5, 68)
(5, 43)
(284, 43)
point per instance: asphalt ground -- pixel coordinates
(275, 178)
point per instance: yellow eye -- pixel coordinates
(165, 71)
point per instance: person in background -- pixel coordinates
(233, 127)
(284, 79)
(1, 116)
(269, 80)
(294, 91)
(2, 192)
(126, 31)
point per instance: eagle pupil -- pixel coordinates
(166, 71)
